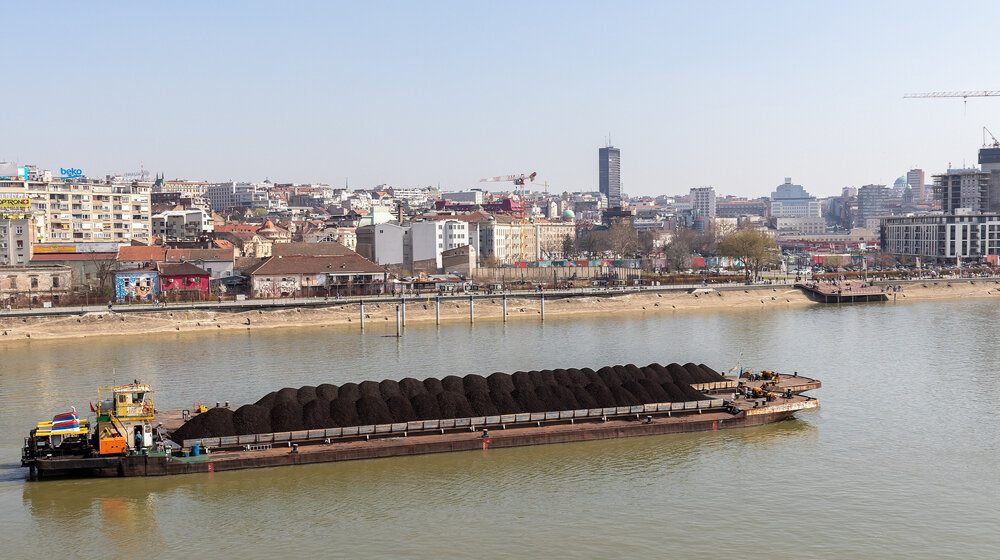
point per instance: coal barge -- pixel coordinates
(128, 437)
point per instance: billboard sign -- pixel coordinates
(20, 203)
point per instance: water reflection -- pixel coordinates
(899, 461)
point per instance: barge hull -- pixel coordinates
(141, 465)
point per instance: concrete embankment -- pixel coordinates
(381, 316)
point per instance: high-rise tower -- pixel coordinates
(609, 166)
(915, 178)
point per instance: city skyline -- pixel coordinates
(417, 96)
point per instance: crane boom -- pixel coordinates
(517, 179)
(962, 94)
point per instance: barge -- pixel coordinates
(122, 442)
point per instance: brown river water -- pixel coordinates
(900, 461)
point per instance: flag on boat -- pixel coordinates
(66, 422)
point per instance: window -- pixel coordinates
(55, 281)
(19, 230)
(34, 281)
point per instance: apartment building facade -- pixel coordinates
(86, 210)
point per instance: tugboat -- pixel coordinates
(123, 427)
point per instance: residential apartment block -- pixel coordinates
(86, 209)
(943, 237)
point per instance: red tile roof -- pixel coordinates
(129, 253)
(317, 265)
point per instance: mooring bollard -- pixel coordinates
(437, 310)
(397, 321)
(542, 300)
(472, 305)
(402, 308)
(504, 308)
(362, 315)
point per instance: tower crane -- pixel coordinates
(516, 179)
(965, 95)
(995, 144)
(962, 94)
(522, 216)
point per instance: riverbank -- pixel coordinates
(381, 317)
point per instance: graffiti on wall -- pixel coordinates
(143, 286)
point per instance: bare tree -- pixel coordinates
(592, 242)
(755, 249)
(623, 239)
(104, 270)
(647, 242)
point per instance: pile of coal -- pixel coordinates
(409, 399)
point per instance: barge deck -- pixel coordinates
(738, 413)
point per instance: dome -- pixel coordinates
(900, 182)
(568, 213)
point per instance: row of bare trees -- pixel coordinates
(751, 247)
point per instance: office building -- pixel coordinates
(915, 178)
(792, 201)
(609, 167)
(474, 196)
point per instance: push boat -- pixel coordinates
(129, 437)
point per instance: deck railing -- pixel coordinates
(471, 423)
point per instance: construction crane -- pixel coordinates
(516, 179)
(965, 95)
(522, 216)
(962, 94)
(995, 144)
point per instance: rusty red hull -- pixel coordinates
(415, 444)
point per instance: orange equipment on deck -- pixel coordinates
(112, 444)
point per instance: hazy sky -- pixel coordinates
(737, 95)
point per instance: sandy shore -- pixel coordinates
(382, 316)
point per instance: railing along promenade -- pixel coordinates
(320, 301)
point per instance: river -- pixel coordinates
(900, 461)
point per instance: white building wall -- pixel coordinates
(391, 243)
